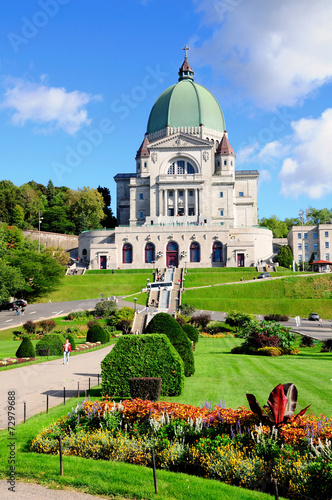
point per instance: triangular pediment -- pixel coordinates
(179, 141)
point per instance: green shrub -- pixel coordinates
(165, 323)
(239, 319)
(121, 317)
(96, 333)
(53, 342)
(26, 349)
(142, 356)
(307, 341)
(72, 341)
(327, 346)
(191, 332)
(30, 327)
(105, 308)
(276, 317)
(46, 326)
(187, 309)
(145, 388)
(269, 351)
(215, 327)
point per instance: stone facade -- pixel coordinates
(305, 240)
(185, 204)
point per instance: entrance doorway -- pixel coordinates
(172, 254)
(240, 260)
(103, 259)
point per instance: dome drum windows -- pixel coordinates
(181, 167)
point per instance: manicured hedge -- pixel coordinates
(142, 356)
(96, 333)
(191, 332)
(26, 349)
(53, 342)
(165, 323)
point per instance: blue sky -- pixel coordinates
(78, 79)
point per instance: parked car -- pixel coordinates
(264, 275)
(313, 317)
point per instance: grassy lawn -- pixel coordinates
(225, 377)
(112, 479)
(90, 285)
(291, 296)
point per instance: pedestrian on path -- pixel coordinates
(320, 321)
(66, 351)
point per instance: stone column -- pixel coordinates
(161, 202)
(175, 202)
(186, 211)
(165, 201)
(196, 202)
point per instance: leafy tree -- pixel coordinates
(11, 238)
(60, 255)
(18, 216)
(285, 256)
(56, 219)
(292, 222)
(105, 308)
(89, 201)
(124, 313)
(83, 224)
(41, 272)
(11, 282)
(8, 200)
(109, 220)
(315, 216)
(201, 320)
(278, 227)
(31, 201)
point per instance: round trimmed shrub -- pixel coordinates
(53, 342)
(165, 323)
(191, 332)
(96, 333)
(26, 349)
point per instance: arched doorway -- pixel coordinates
(172, 254)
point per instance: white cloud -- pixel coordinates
(307, 171)
(49, 107)
(276, 53)
(271, 153)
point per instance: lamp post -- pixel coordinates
(301, 214)
(147, 282)
(176, 304)
(135, 300)
(39, 222)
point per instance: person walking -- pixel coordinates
(66, 351)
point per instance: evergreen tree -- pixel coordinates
(82, 223)
(285, 256)
(50, 191)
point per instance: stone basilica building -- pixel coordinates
(185, 205)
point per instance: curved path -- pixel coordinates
(33, 383)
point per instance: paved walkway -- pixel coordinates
(31, 491)
(32, 383)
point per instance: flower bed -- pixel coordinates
(220, 443)
(14, 361)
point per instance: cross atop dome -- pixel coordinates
(186, 70)
(186, 48)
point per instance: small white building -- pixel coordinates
(185, 205)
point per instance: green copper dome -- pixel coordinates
(186, 104)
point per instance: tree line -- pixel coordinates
(63, 210)
(311, 217)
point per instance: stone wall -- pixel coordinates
(64, 241)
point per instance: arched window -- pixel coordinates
(172, 247)
(181, 167)
(217, 252)
(127, 253)
(149, 253)
(195, 253)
